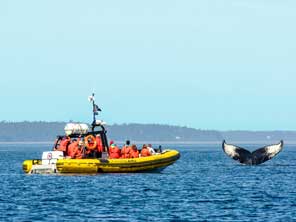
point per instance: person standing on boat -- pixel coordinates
(145, 152)
(126, 150)
(114, 151)
(99, 150)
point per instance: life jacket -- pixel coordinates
(72, 149)
(114, 152)
(134, 154)
(126, 152)
(99, 145)
(64, 145)
(145, 152)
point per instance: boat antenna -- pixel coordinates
(96, 108)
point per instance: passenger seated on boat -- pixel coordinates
(151, 150)
(126, 150)
(114, 151)
(88, 152)
(134, 152)
(79, 151)
(145, 152)
(72, 148)
(64, 144)
(76, 149)
(91, 147)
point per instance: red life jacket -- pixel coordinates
(126, 152)
(134, 154)
(114, 152)
(99, 145)
(72, 149)
(145, 152)
(64, 145)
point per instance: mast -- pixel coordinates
(94, 112)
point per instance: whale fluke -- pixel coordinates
(258, 156)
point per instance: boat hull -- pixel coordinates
(93, 166)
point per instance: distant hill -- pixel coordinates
(47, 131)
(30, 131)
(157, 132)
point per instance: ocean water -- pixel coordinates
(203, 185)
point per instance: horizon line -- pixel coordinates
(216, 142)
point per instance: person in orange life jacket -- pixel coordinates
(72, 148)
(92, 153)
(79, 150)
(99, 150)
(114, 151)
(145, 152)
(134, 152)
(64, 144)
(126, 150)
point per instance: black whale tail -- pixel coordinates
(259, 156)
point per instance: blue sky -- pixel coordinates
(223, 65)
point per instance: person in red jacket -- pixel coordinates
(64, 143)
(145, 152)
(99, 149)
(114, 151)
(72, 149)
(126, 150)
(79, 151)
(134, 152)
(75, 150)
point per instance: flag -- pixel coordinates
(96, 109)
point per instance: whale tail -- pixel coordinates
(258, 156)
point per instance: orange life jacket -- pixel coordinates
(64, 145)
(145, 152)
(99, 145)
(134, 154)
(114, 152)
(126, 152)
(72, 149)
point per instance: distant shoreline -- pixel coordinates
(159, 142)
(156, 134)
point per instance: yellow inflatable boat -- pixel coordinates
(92, 166)
(91, 154)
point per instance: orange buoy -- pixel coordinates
(90, 142)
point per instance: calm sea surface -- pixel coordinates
(204, 185)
